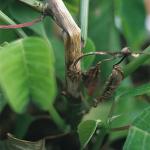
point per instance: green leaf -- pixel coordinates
(86, 130)
(60, 57)
(5, 4)
(139, 134)
(7, 35)
(126, 109)
(101, 25)
(27, 72)
(135, 91)
(23, 14)
(142, 121)
(22, 124)
(73, 8)
(125, 97)
(137, 140)
(3, 102)
(103, 32)
(99, 113)
(128, 106)
(87, 61)
(6, 20)
(132, 15)
(13, 143)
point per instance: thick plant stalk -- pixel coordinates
(72, 38)
(57, 10)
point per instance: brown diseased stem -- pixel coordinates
(58, 11)
(72, 39)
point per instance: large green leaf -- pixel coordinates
(6, 20)
(60, 57)
(129, 103)
(137, 140)
(27, 72)
(72, 6)
(5, 4)
(22, 124)
(101, 25)
(134, 91)
(102, 31)
(89, 47)
(142, 121)
(22, 14)
(2, 101)
(132, 15)
(86, 130)
(7, 35)
(139, 134)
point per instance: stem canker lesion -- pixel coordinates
(60, 14)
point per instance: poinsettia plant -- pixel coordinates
(74, 74)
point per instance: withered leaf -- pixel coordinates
(13, 143)
(111, 85)
(90, 79)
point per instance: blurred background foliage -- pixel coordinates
(112, 25)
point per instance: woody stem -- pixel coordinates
(72, 39)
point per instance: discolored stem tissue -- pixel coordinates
(72, 39)
(58, 11)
